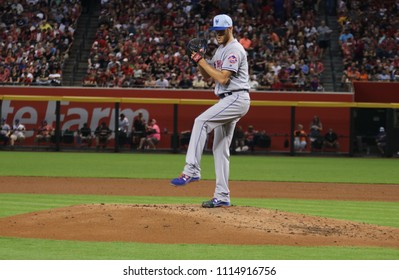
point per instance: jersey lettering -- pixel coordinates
(218, 64)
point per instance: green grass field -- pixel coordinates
(165, 166)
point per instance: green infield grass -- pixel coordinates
(37, 249)
(165, 166)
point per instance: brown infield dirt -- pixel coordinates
(191, 224)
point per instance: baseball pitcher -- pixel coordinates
(229, 69)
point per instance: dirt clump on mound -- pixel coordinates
(191, 224)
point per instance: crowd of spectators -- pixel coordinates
(369, 40)
(143, 43)
(35, 38)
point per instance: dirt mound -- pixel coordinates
(191, 224)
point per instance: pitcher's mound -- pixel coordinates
(189, 224)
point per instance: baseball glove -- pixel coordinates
(197, 47)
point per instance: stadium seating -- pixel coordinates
(36, 37)
(136, 43)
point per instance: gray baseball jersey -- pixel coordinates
(221, 117)
(232, 57)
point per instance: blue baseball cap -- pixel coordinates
(221, 22)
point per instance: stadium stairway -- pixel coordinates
(333, 59)
(75, 66)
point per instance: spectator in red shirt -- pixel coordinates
(246, 42)
(4, 74)
(126, 68)
(44, 132)
(250, 136)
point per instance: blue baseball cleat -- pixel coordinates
(183, 180)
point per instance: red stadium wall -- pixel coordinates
(376, 92)
(274, 120)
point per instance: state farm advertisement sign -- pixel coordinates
(74, 114)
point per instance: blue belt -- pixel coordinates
(224, 94)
